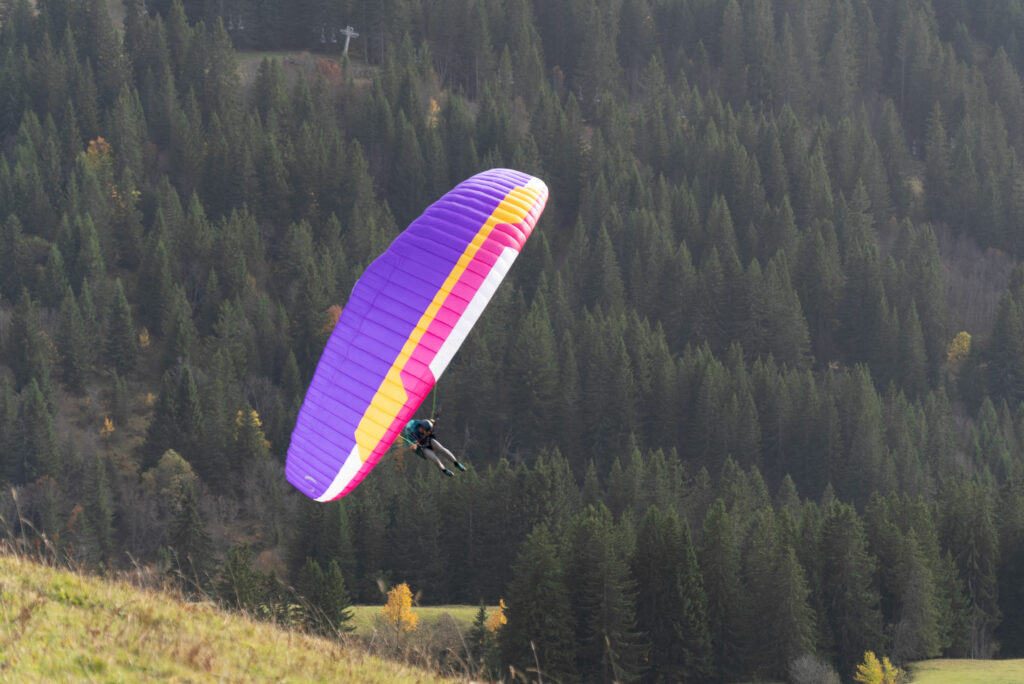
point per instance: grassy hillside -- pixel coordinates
(56, 625)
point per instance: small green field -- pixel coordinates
(59, 626)
(967, 672)
(365, 618)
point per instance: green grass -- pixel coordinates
(949, 671)
(59, 626)
(365, 617)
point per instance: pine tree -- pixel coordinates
(155, 285)
(850, 601)
(162, 433)
(733, 66)
(539, 631)
(416, 551)
(840, 65)
(797, 621)
(38, 454)
(9, 464)
(918, 634)
(718, 557)
(914, 361)
(56, 278)
(409, 173)
(90, 324)
(240, 584)
(1005, 354)
(310, 586)
(481, 645)
(189, 422)
(670, 601)
(337, 605)
(534, 371)
(15, 257)
(99, 511)
(28, 347)
(90, 260)
(967, 530)
(179, 327)
(860, 414)
(250, 444)
(779, 595)
(938, 165)
(120, 344)
(192, 544)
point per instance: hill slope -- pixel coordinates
(56, 625)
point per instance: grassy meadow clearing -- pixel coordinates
(366, 618)
(967, 672)
(56, 626)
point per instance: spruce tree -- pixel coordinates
(416, 538)
(850, 601)
(796, 622)
(89, 262)
(8, 421)
(918, 633)
(121, 345)
(56, 278)
(162, 433)
(71, 342)
(938, 165)
(37, 453)
(671, 605)
(191, 542)
(250, 446)
(91, 324)
(15, 257)
(534, 373)
(189, 422)
(155, 284)
(27, 348)
(539, 630)
(336, 605)
(1005, 353)
(480, 645)
(99, 511)
(719, 563)
(310, 586)
(603, 597)
(179, 328)
(967, 530)
(240, 584)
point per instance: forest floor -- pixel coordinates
(56, 625)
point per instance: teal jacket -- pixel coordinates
(411, 436)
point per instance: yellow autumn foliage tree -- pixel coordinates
(434, 113)
(959, 348)
(398, 611)
(873, 671)
(497, 617)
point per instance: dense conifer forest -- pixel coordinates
(762, 362)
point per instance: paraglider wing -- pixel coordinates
(405, 319)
